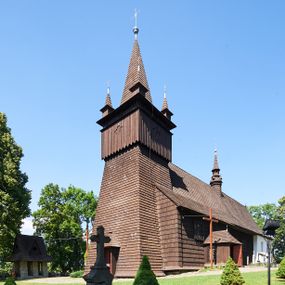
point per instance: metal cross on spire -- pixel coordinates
(108, 87)
(164, 91)
(136, 29)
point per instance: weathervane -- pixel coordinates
(136, 29)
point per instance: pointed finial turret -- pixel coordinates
(108, 96)
(164, 110)
(108, 108)
(136, 29)
(216, 179)
(164, 104)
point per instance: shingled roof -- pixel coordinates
(222, 237)
(190, 192)
(29, 248)
(136, 74)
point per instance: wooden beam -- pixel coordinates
(211, 220)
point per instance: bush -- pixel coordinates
(281, 269)
(10, 281)
(5, 269)
(76, 274)
(145, 275)
(231, 274)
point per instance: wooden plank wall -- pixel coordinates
(192, 251)
(136, 127)
(120, 135)
(154, 136)
(168, 217)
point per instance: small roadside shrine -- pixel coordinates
(30, 257)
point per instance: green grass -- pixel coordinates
(252, 278)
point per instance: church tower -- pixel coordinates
(136, 145)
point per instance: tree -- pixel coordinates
(262, 212)
(281, 269)
(231, 274)
(59, 219)
(15, 197)
(145, 275)
(279, 239)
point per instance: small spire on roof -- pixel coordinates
(164, 110)
(108, 108)
(216, 164)
(164, 104)
(108, 101)
(136, 29)
(216, 179)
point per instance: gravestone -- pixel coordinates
(99, 274)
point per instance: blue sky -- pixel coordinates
(223, 63)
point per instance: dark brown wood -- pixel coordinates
(138, 127)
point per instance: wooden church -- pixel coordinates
(148, 205)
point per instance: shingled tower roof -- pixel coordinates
(136, 73)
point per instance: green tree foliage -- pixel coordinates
(262, 212)
(145, 275)
(15, 197)
(279, 240)
(281, 269)
(59, 220)
(231, 274)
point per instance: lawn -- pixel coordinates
(252, 278)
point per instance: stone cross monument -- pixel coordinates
(99, 274)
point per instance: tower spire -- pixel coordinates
(216, 179)
(136, 80)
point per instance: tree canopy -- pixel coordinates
(15, 197)
(272, 211)
(262, 212)
(59, 220)
(279, 240)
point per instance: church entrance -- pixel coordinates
(236, 254)
(111, 257)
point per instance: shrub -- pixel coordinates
(281, 269)
(231, 274)
(9, 281)
(145, 275)
(5, 269)
(76, 274)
